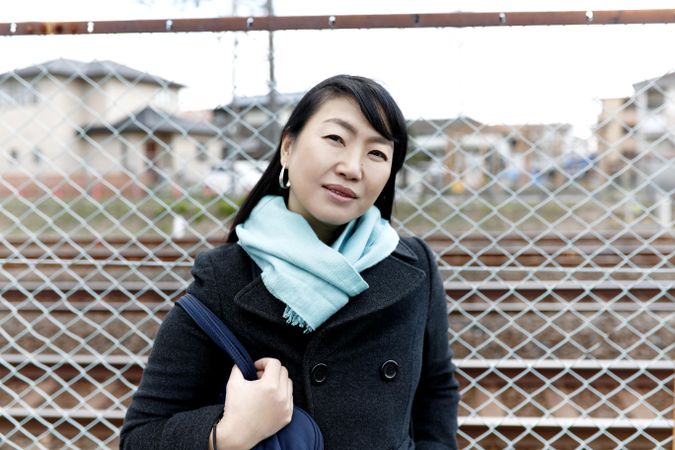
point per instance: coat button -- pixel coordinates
(319, 373)
(389, 370)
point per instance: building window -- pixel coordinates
(14, 157)
(629, 104)
(654, 98)
(164, 99)
(38, 157)
(202, 152)
(124, 155)
(17, 94)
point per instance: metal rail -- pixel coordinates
(516, 295)
(565, 423)
(485, 375)
(478, 240)
(338, 22)
(492, 385)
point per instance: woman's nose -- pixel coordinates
(350, 165)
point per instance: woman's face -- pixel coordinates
(337, 166)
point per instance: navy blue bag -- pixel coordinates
(302, 433)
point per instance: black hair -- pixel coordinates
(378, 107)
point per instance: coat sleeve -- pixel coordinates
(437, 396)
(176, 404)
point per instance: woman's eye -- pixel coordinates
(379, 154)
(335, 137)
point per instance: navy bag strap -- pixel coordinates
(220, 334)
(302, 432)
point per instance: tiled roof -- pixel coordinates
(92, 70)
(151, 120)
(666, 80)
(263, 100)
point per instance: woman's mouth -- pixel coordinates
(341, 191)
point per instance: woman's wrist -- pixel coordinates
(214, 436)
(227, 437)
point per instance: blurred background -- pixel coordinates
(541, 171)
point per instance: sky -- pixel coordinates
(495, 75)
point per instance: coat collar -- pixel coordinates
(390, 280)
(403, 250)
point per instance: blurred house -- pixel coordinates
(68, 126)
(459, 152)
(435, 156)
(465, 153)
(656, 132)
(534, 152)
(477, 155)
(615, 133)
(251, 125)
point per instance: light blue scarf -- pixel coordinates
(313, 279)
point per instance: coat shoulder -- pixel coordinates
(416, 250)
(225, 260)
(219, 273)
(223, 255)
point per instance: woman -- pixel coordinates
(345, 319)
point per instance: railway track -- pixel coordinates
(555, 360)
(539, 406)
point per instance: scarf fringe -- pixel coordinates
(292, 318)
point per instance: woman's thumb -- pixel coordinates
(235, 374)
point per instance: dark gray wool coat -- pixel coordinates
(376, 375)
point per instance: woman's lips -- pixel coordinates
(341, 191)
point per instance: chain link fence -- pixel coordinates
(556, 246)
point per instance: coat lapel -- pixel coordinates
(257, 299)
(389, 281)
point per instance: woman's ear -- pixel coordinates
(286, 143)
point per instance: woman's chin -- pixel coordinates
(333, 220)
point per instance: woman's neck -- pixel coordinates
(326, 233)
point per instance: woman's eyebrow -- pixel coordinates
(352, 129)
(343, 123)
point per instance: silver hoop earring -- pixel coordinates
(281, 179)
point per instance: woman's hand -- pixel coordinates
(255, 410)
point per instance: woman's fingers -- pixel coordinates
(271, 368)
(235, 375)
(272, 373)
(283, 378)
(260, 407)
(264, 362)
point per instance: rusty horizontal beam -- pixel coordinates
(367, 21)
